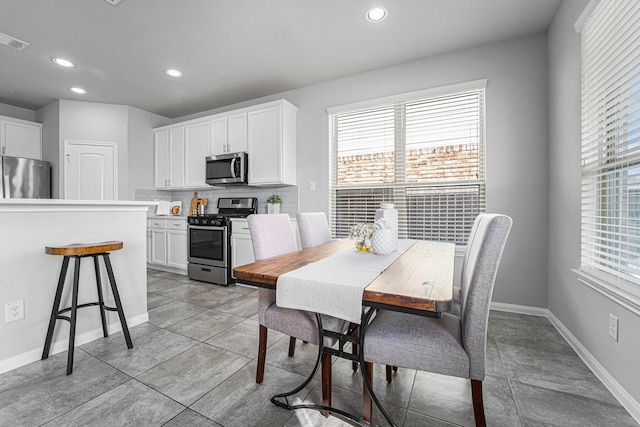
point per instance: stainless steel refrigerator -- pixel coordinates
(25, 178)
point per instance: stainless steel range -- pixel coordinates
(208, 240)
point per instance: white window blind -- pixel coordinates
(425, 155)
(611, 142)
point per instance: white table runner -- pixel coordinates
(334, 285)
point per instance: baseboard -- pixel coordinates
(625, 399)
(61, 345)
(520, 309)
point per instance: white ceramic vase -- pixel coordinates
(273, 208)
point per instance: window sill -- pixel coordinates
(621, 292)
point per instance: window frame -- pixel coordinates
(610, 155)
(400, 189)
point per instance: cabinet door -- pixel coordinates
(265, 146)
(241, 250)
(176, 157)
(237, 133)
(21, 139)
(158, 246)
(162, 158)
(218, 143)
(196, 148)
(177, 249)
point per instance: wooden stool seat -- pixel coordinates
(79, 251)
(84, 248)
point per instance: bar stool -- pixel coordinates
(79, 251)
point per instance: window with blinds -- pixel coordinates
(425, 155)
(610, 42)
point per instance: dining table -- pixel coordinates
(417, 278)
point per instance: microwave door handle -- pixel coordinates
(233, 167)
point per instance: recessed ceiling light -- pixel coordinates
(78, 90)
(376, 14)
(63, 62)
(173, 72)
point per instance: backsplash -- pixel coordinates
(288, 194)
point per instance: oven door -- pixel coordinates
(208, 245)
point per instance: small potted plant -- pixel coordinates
(273, 204)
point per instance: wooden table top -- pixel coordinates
(420, 280)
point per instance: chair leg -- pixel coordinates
(389, 374)
(262, 353)
(478, 405)
(367, 407)
(116, 298)
(56, 308)
(326, 381)
(74, 315)
(103, 315)
(292, 346)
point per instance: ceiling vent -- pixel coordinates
(13, 43)
(113, 2)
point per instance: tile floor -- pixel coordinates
(193, 364)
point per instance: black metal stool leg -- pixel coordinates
(73, 317)
(100, 298)
(116, 297)
(56, 307)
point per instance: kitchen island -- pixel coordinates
(28, 274)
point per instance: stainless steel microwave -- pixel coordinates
(227, 169)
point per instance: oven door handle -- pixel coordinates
(207, 227)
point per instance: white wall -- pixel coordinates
(517, 143)
(581, 310)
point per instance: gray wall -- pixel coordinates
(517, 143)
(141, 149)
(583, 311)
(17, 112)
(130, 128)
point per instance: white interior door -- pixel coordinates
(91, 170)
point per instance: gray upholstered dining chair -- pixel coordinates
(453, 345)
(314, 229)
(273, 235)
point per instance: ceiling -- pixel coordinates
(232, 50)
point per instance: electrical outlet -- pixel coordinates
(13, 311)
(613, 327)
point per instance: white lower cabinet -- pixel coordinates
(241, 246)
(167, 244)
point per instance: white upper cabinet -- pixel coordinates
(20, 138)
(237, 132)
(169, 158)
(229, 133)
(196, 148)
(271, 135)
(266, 131)
(218, 143)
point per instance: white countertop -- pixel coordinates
(13, 205)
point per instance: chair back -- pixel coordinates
(480, 267)
(271, 235)
(314, 229)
